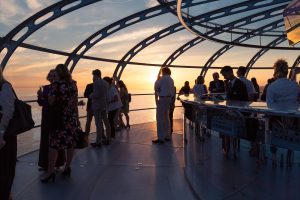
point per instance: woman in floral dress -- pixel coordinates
(63, 99)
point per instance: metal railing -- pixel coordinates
(132, 110)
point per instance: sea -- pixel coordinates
(30, 140)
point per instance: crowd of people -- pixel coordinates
(60, 124)
(279, 93)
(108, 102)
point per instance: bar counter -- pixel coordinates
(274, 131)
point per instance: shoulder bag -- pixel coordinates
(22, 118)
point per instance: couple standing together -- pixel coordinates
(106, 103)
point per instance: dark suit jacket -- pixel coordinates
(213, 87)
(87, 92)
(238, 91)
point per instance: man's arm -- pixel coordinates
(210, 88)
(243, 92)
(88, 90)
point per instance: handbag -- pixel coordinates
(82, 139)
(22, 118)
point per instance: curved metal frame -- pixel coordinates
(95, 38)
(63, 53)
(242, 38)
(263, 51)
(197, 40)
(181, 50)
(16, 37)
(190, 28)
(176, 27)
(32, 24)
(296, 62)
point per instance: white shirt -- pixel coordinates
(198, 90)
(250, 87)
(112, 92)
(164, 86)
(100, 95)
(283, 94)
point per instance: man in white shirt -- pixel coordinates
(100, 107)
(282, 93)
(241, 72)
(164, 90)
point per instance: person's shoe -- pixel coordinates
(157, 141)
(49, 177)
(128, 126)
(67, 172)
(167, 139)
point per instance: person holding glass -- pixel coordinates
(43, 94)
(63, 99)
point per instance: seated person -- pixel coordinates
(216, 86)
(199, 88)
(282, 93)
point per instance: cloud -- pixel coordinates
(10, 10)
(151, 3)
(59, 24)
(143, 33)
(33, 4)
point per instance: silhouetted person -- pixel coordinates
(125, 101)
(236, 90)
(63, 96)
(256, 87)
(100, 108)
(114, 105)
(172, 108)
(282, 94)
(241, 72)
(47, 117)
(186, 89)
(164, 90)
(89, 110)
(216, 86)
(199, 88)
(8, 141)
(264, 94)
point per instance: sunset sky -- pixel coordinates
(28, 68)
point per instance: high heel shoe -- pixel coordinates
(67, 172)
(128, 126)
(47, 178)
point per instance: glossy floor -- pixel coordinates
(130, 168)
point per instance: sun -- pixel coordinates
(153, 75)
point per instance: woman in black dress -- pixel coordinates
(43, 94)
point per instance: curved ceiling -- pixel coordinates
(145, 33)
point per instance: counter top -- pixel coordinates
(247, 106)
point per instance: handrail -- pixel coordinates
(132, 110)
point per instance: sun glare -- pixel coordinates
(153, 75)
